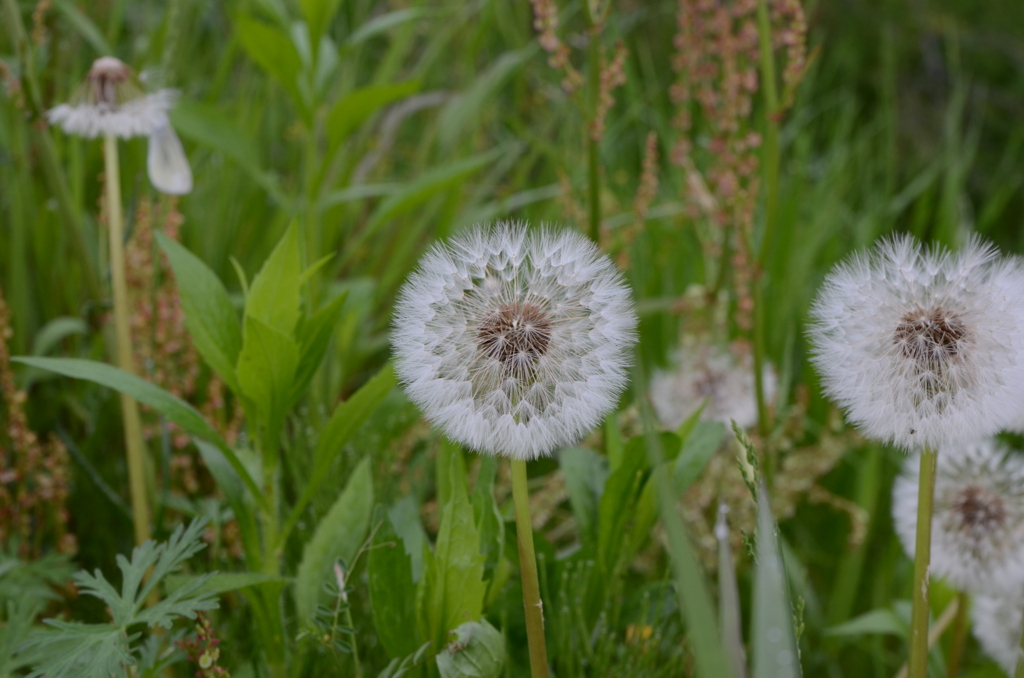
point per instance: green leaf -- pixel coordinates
(272, 50)
(338, 536)
(318, 14)
(452, 588)
(352, 109)
(345, 421)
(274, 295)
(240, 501)
(775, 651)
(468, 106)
(392, 591)
(477, 651)
(881, 621)
(56, 331)
(221, 582)
(585, 473)
(85, 27)
(451, 468)
(702, 443)
(210, 316)
(314, 335)
(616, 503)
(488, 517)
(384, 23)
(266, 370)
(169, 405)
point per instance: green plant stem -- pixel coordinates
(593, 143)
(947, 617)
(129, 408)
(956, 650)
(922, 556)
(528, 566)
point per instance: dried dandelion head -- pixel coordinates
(111, 102)
(977, 519)
(515, 343)
(923, 347)
(997, 622)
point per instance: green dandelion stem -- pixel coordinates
(956, 649)
(922, 556)
(528, 566)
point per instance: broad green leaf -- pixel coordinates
(467, 106)
(169, 405)
(775, 652)
(210, 316)
(314, 333)
(881, 621)
(220, 582)
(700, 446)
(338, 536)
(318, 15)
(488, 517)
(405, 516)
(352, 109)
(451, 468)
(384, 23)
(89, 31)
(274, 295)
(392, 590)
(56, 331)
(585, 473)
(477, 651)
(208, 125)
(345, 421)
(452, 588)
(271, 49)
(240, 501)
(266, 370)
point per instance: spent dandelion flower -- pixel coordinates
(923, 347)
(514, 343)
(997, 622)
(978, 519)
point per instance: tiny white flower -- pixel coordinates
(110, 101)
(997, 626)
(703, 371)
(923, 347)
(977, 515)
(515, 343)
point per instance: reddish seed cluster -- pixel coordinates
(203, 650)
(545, 22)
(645, 194)
(613, 76)
(39, 21)
(33, 474)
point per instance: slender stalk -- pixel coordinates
(956, 650)
(1018, 671)
(922, 557)
(948, 616)
(129, 408)
(593, 101)
(528, 566)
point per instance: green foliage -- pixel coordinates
(70, 649)
(477, 650)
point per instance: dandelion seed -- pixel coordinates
(723, 377)
(977, 519)
(923, 347)
(514, 343)
(997, 622)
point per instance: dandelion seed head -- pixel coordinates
(515, 343)
(977, 519)
(923, 346)
(111, 101)
(997, 622)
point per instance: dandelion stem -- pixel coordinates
(956, 650)
(922, 557)
(528, 566)
(593, 101)
(129, 408)
(941, 624)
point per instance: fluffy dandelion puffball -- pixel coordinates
(111, 102)
(515, 343)
(719, 375)
(997, 624)
(923, 347)
(977, 519)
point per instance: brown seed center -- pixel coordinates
(515, 334)
(930, 338)
(104, 76)
(979, 511)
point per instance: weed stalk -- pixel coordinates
(922, 557)
(528, 566)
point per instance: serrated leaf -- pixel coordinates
(392, 591)
(476, 651)
(274, 295)
(339, 535)
(73, 650)
(210, 316)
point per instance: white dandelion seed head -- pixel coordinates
(977, 515)
(515, 343)
(997, 622)
(723, 376)
(110, 101)
(923, 346)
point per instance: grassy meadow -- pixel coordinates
(725, 155)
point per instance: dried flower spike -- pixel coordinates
(111, 102)
(923, 347)
(515, 343)
(978, 516)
